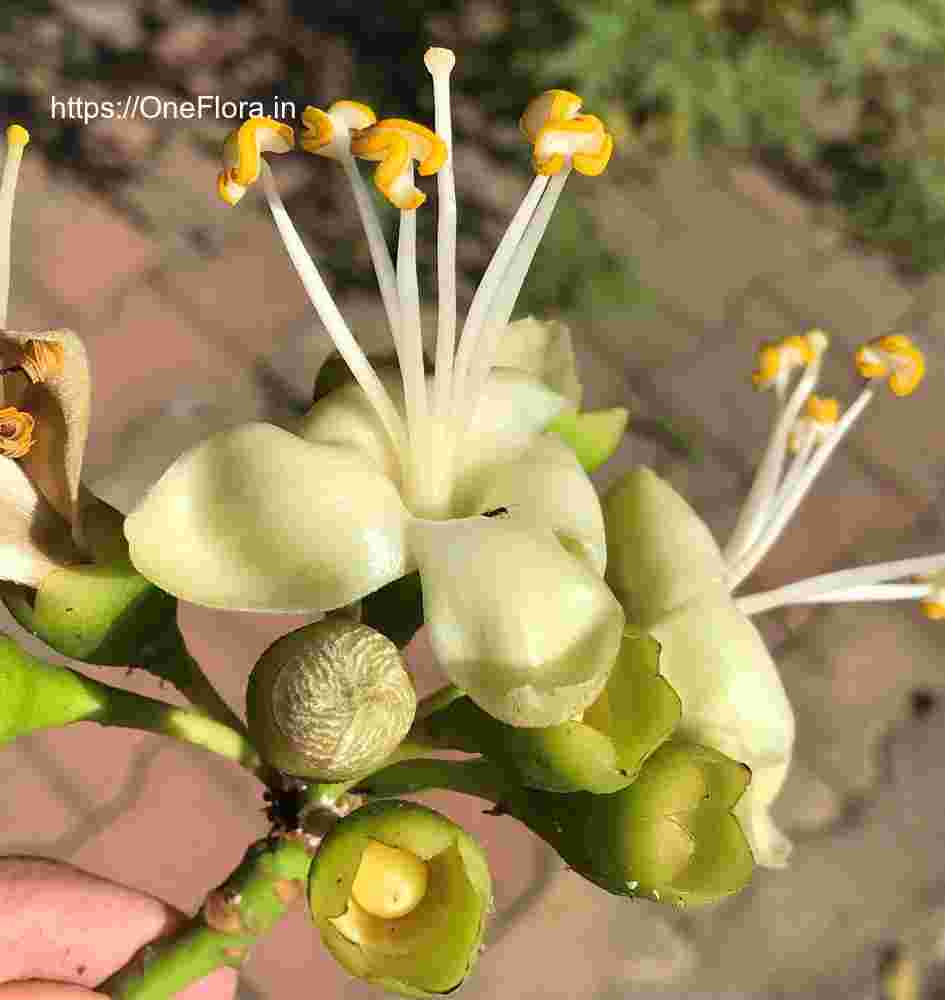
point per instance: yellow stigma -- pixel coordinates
(933, 605)
(396, 143)
(16, 432)
(560, 135)
(390, 882)
(242, 154)
(17, 136)
(895, 358)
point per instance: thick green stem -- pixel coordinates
(478, 777)
(136, 712)
(38, 695)
(271, 876)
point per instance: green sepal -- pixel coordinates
(35, 694)
(594, 435)
(94, 613)
(439, 941)
(669, 836)
(396, 609)
(637, 711)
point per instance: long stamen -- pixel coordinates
(331, 318)
(472, 327)
(17, 138)
(746, 564)
(862, 583)
(507, 293)
(754, 512)
(377, 245)
(440, 63)
(415, 387)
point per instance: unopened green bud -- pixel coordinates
(400, 895)
(670, 836)
(103, 611)
(330, 701)
(602, 753)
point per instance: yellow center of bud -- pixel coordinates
(895, 358)
(16, 432)
(390, 881)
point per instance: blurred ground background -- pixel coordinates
(727, 218)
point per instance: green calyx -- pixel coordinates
(602, 753)
(670, 835)
(431, 949)
(594, 434)
(98, 612)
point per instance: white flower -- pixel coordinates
(393, 473)
(674, 580)
(44, 422)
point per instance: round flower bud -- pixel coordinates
(400, 895)
(601, 752)
(330, 701)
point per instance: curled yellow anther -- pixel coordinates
(895, 358)
(777, 361)
(41, 359)
(17, 136)
(242, 154)
(933, 605)
(552, 105)
(559, 134)
(395, 142)
(16, 432)
(325, 131)
(814, 427)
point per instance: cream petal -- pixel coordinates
(544, 350)
(256, 519)
(60, 405)
(34, 539)
(733, 701)
(544, 485)
(346, 417)
(527, 630)
(660, 554)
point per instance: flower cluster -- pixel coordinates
(603, 669)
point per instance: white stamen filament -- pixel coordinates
(787, 503)
(331, 318)
(865, 583)
(472, 327)
(11, 170)
(377, 245)
(439, 63)
(756, 509)
(414, 380)
(506, 295)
